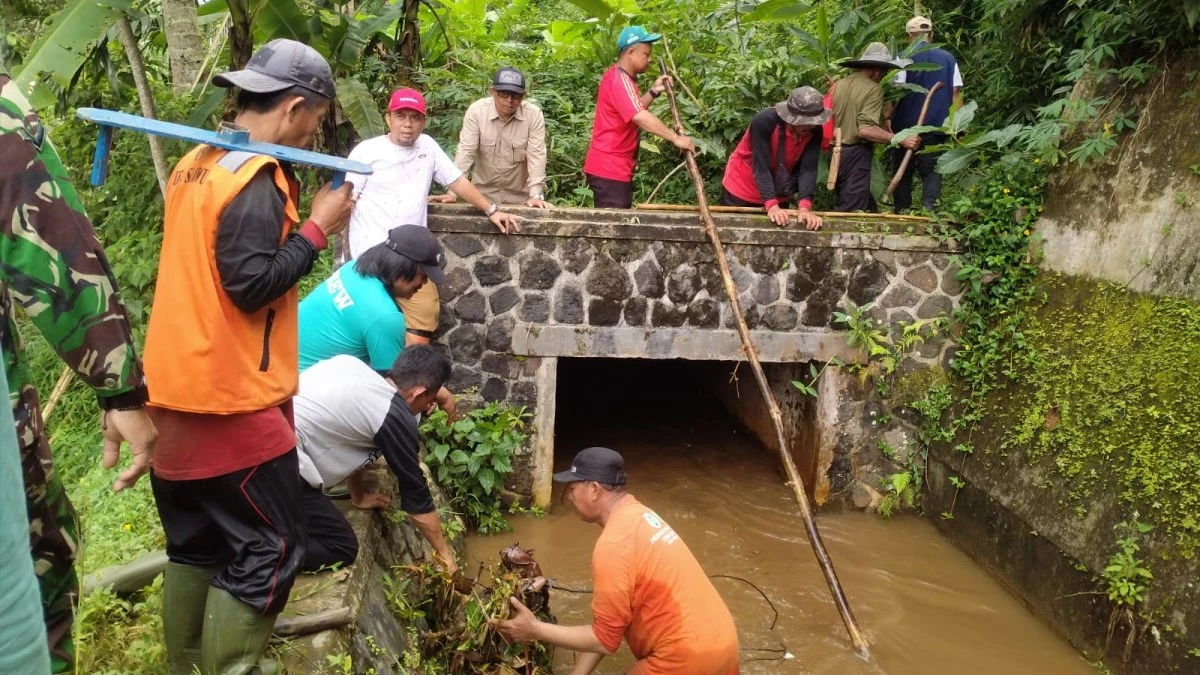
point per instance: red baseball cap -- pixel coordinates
(407, 99)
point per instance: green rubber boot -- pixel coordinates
(235, 637)
(185, 593)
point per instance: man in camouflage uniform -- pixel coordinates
(53, 267)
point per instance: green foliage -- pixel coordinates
(471, 457)
(66, 41)
(1126, 575)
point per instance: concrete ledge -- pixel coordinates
(850, 232)
(676, 343)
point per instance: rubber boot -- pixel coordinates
(185, 594)
(235, 637)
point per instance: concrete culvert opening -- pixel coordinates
(678, 407)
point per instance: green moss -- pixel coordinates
(908, 387)
(1109, 392)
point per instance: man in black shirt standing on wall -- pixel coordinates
(778, 156)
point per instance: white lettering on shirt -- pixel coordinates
(341, 299)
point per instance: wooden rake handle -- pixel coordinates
(909, 154)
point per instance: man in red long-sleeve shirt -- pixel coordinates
(778, 156)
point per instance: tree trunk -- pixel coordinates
(410, 45)
(184, 47)
(145, 97)
(241, 35)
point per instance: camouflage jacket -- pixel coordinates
(53, 267)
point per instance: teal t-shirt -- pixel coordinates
(351, 314)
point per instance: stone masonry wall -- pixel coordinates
(656, 272)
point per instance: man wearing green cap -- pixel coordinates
(858, 112)
(621, 111)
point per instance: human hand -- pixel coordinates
(505, 222)
(331, 208)
(442, 199)
(778, 215)
(683, 143)
(911, 143)
(660, 84)
(447, 564)
(534, 202)
(135, 428)
(522, 626)
(808, 219)
(371, 500)
(451, 407)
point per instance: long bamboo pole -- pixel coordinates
(793, 475)
(688, 208)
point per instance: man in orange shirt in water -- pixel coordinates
(649, 588)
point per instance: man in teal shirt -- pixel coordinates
(355, 312)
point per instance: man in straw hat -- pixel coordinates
(649, 588)
(858, 112)
(908, 110)
(777, 157)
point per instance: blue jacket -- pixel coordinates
(909, 108)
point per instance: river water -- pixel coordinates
(925, 607)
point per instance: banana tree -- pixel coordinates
(69, 39)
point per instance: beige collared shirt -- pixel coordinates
(509, 157)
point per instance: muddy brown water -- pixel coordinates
(924, 605)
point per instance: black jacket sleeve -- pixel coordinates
(803, 178)
(255, 270)
(400, 444)
(761, 128)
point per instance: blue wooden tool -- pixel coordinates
(227, 137)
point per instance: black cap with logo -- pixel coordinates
(281, 64)
(509, 79)
(419, 244)
(598, 464)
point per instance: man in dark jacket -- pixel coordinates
(778, 156)
(920, 31)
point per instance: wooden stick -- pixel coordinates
(294, 626)
(60, 388)
(909, 153)
(793, 475)
(756, 210)
(665, 179)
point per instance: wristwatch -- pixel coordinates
(654, 94)
(539, 196)
(491, 209)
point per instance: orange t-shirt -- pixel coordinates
(650, 589)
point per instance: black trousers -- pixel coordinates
(730, 199)
(250, 521)
(923, 164)
(854, 180)
(331, 540)
(610, 194)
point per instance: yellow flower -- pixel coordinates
(966, 347)
(128, 527)
(1006, 191)
(1026, 232)
(1037, 160)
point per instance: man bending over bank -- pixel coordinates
(649, 588)
(347, 415)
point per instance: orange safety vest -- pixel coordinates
(203, 354)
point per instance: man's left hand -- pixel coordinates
(808, 219)
(442, 199)
(372, 500)
(505, 222)
(535, 203)
(522, 626)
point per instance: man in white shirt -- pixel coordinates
(406, 162)
(347, 416)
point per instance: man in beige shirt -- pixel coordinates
(504, 137)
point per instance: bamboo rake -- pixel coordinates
(793, 475)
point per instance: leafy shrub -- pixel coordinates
(471, 457)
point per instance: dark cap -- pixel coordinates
(418, 244)
(281, 64)
(599, 464)
(509, 79)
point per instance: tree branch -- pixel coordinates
(145, 97)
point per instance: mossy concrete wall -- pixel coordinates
(1101, 422)
(1133, 217)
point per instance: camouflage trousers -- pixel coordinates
(53, 530)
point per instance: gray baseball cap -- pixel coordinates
(509, 79)
(281, 64)
(804, 105)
